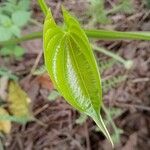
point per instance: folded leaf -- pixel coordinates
(72, 67)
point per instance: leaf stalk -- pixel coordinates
(127, 63)
(43, 6)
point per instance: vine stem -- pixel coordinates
(43, 6)
(127, 63)
(99, 34)
(31, 36)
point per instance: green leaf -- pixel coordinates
(72, 67)
(18, 51)
(53, 95)
(126, 6)
(17, 119)
(15, 30)
(11, 6)
(41, 70)
(82, 118)
(102, 18)
(14, 2)
(8, 73)
(8, 7)
(6, 51)
(21, 18)
(98, 13)
(9, 50)
(5, 34)
(5, 20)
(24, 4)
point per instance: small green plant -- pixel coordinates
(14, 15)
(7, 73)
(39, 71)
(112, 82)
(105, 64)
(99, 14)
(53, 95)
(147, 3)
(82, 118)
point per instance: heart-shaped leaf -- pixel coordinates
(72, 67)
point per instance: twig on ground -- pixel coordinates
(87, 136)
(36, 62)
(41, 109)
(141, 80)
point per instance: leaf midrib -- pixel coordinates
(78, 68)
(87, 60)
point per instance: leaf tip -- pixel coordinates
(100, 123)
(49, 14)
(63, 9)
(65, 12)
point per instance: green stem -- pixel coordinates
(117, 35)
(127, 63)
(100, 34)
(43, 6)
(108, 53)
(31, 36)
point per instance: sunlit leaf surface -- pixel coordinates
(71, 65)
